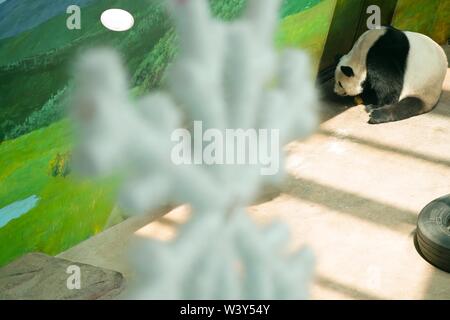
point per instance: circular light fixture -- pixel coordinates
(117, 20)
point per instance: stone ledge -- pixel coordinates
(37, 276)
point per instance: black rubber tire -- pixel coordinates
(433, 233)
(432, 249)
(442, 263)
(436, 249)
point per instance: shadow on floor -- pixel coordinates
(342, 201)
(332, 104)
(383, 147)
(349, 203)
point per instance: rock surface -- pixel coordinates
(36, 276)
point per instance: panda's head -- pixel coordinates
(349, 79)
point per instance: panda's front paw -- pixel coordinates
(371, 107)
(378, 116)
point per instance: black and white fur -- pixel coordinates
(398, 74)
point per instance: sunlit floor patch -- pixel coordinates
(17, 209)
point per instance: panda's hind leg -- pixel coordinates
(404, 109)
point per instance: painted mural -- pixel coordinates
(430, 17)
(43, 206)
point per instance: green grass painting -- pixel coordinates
(307, 30)
(69, 210)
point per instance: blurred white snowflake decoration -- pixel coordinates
(226, 75)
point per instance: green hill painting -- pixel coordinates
(43, 207)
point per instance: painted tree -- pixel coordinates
(226, 75)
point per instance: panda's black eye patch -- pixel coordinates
(348, 71)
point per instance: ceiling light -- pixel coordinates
(117, 20)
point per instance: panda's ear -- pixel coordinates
(348, 71)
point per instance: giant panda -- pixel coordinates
(397, 74)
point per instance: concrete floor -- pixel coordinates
(353, 196)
